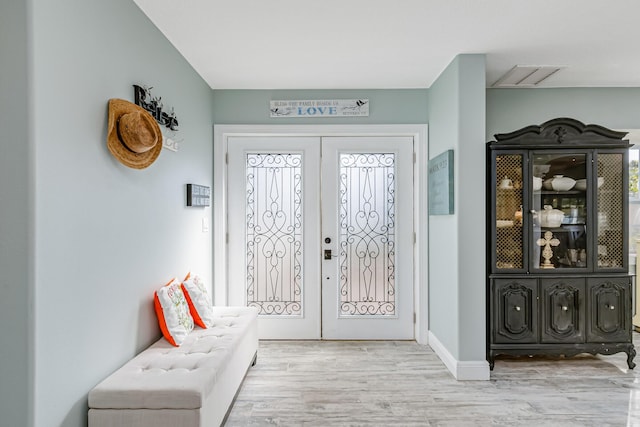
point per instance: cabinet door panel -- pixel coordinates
(560, 211)
(609, 305)
(515, 311)
(612, 185)
(562, 310)
(508, 189)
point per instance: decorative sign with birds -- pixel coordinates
(320, 108)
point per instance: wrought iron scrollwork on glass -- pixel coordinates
(274, 233)
(367, 234)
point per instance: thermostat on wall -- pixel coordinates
(198, 195)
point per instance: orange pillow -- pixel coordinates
(198, 299)
(173, 314)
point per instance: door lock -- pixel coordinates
(327, 254)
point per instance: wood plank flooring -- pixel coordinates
(401, 383)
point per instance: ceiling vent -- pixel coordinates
(526, 75)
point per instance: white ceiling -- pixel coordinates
(375, 44)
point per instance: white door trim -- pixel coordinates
(219, 199)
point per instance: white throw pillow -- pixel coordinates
(198, 299)
(173, 313)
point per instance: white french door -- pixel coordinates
(274, 224)
(367, 227)
(321, 235)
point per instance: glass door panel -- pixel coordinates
(274, 194)
(559, 208)
(367, 234)
(610, 221)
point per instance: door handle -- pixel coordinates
(327, 254)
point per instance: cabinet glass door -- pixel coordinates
(559, 210)
(508, 212)
(611, 206)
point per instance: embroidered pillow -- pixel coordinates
(173, 314)
(198, 299)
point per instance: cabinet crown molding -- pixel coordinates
(562, 132)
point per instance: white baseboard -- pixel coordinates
(461, 370)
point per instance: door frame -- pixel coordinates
(222, 133)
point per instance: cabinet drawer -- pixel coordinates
(515, 311)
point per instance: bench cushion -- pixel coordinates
(168, 377)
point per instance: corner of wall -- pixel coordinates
(473, 370)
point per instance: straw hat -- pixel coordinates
(133, 136)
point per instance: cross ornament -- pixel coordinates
(547, 252)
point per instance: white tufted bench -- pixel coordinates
(191, 385)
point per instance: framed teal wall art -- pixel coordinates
(441, 184)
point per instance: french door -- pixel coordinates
(274, 227)
(321, 235)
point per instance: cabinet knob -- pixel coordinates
(517, 308)
(612, 307)
(565, 308)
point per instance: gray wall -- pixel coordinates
(106, 236)
(444, 120)
(471, 201)
(456, 242)
(387, 106)
(512, 109)
(16, 285)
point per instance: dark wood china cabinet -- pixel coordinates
(558, 278)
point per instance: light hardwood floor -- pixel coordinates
(401, 383)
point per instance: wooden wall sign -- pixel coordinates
(320, 108)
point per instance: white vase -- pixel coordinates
(550, 217)
(537, 183)
(581, 184)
